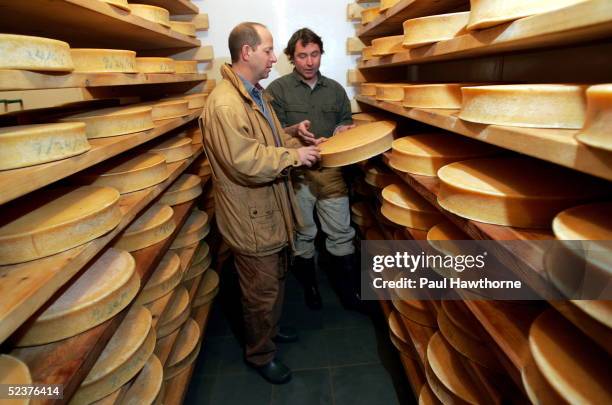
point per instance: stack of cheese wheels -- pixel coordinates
(124, 356)
(61, 220)
(165, 278)
(186, 66)
(173, 149)
(387, 4)
(367, 53)
(357, 144)
(196, 100)
(399, 335)
(147, 386)
(379, 177)
(183, 27)
(195, 229)
(129, 173)
(576, 369)
(14, 372)
(427, 396)
(107, 286)
(404, 206)
(369, 90)
(360, 214)
(384, 46)
(175, 313)
(184, 351)
(525, 105)
(154, 64)
(488, 13)
(185, 188)
(441, 237)
(440, 95)
(390, 91)
(201, 262)
(366, 118)
(208, 289)
(369, 14)
(153, 226)
(167, 109)
(512, 191)
(463, 332)
(596, 130)
(196, 136)
(29, 145)
(114, 121)
(103, 60)
(425, 154)
(428, 30)
(417, 311)
(201, 167)
(122, 4)
(34, 53)
(592, 223)
(151, 13)
(447, 375)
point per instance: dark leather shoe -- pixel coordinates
(286, 334)
(274, 372)
(312, 297)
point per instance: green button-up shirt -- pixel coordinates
(326, 105)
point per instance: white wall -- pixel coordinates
(283, 17)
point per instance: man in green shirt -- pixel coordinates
(313, 108)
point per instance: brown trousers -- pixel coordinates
(262, 282)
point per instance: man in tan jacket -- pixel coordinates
(256, 209)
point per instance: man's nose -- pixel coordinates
(274, 60)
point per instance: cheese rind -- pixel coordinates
(404, 206)
(399, 336)
(387, 4)
(66, 220)
(196, 228)
(147, 385)
(367, 53)
(208, 287)
(596, 131)
(183, 27)
(390, 91)
(369, 14)
(122, 4)
(155, 65)
(166, 276)
(446, 95)
(428, 30)
(427, 396)
(114, 121)
(174, 149)
(103, 60)
(185, 188)
(525, 105)
(186, 66)
(175, 314)
(151, 227)
(167, 109)
(379, 177)
(415, 311)
(34, 53)
(366, 118)
(387, 45)
(151, 13)
(185, 344)
(29, 145)
(13, 371)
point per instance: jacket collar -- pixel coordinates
(231, 76)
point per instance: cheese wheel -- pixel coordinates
(596, 130)
(387, 4)
(122, 4)
(174, 149)
(537, 388)
(128, 173)
(442, 95)
(369, 90)
(151, 13)
(147, 385)
(366, 118)
(399, 335)
(404, 206)
(428, 30)
(166, 276)
(384, 46)
(61, 220)
(512, 191)
(184, 350)
(369, 14)
(390, 91)
(488, 13)
(14, 372)
(196, 100)
(200, 264)
(186, 66)
(183, 27)
(175, 314)
(103, 60)
(425, 154)
(414, 310)
(34, 53)
(185, 188)
(357, 144)
(153, 226)
(29, 145)
(367, 53)
(114, 121)
(380, 177)
(201, 167)
(525, 105)
(577, 369)
(427, 397)
(109, 285)
(195, 229)
(197, 138)
(208, 288)
(167, 109)
(155, 65)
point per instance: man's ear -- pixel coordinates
(245, 52)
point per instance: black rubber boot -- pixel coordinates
(345, 277)
(305, 271)
(275, 372)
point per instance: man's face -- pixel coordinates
(307, 59)
(262, 57)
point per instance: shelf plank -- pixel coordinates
(13, 186)
(583, 22)
(68, 362)
(553, 145)
(389, 22)
(174, 6)
(88, 24)
(26, 287)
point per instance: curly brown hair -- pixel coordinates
(305, 35)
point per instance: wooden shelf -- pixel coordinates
(68, 361)
(26, 287)
(174, 6)
(12, 184)
(389, 22)
(88, 24)
(579, 23)
(553, 145)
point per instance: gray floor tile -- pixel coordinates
(200, 390)
(363, 385)
(352, 346)
(244, 389)
(308, 387)
(310, 351)
(301, 317)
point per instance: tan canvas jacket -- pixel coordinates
(254, 202)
